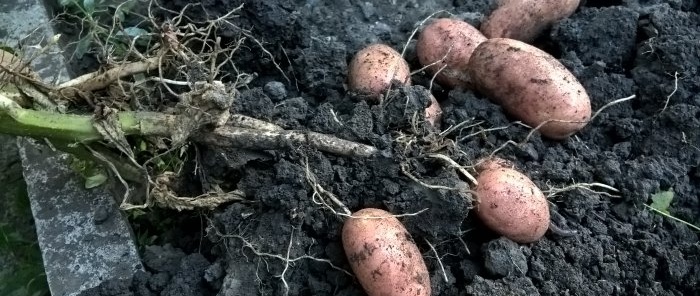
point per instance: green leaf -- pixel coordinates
(83, 46)
(126, 6)
(661, 201)
(65, 2)
(7, 48)
(121, 10)
(143, 146)
(89, 6)
(136, 213)
(160, 164)
(143, 37)
(119, 15)
(95, 180)
(135, 31)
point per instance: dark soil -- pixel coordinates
(615, 48)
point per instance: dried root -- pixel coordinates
(285, 258)
(551, 192)
(323, 197)
(164, 196)
(227, 136)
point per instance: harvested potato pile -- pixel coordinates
(527, 82)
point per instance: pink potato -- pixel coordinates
(448, 43)
(383, 255)
(531, 85)
(373, 68)
(509, 203)
(524, 20)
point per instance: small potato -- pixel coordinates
(448, 43)
(531, 85)
(433, 114)
(373, 68)
(524, 20)
(383, 255)
(509, 203)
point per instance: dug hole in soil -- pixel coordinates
(284, 243)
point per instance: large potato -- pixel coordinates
(383, 255)
(448, 43)
(373, 69)
(524, 20)
(509, 203)
(531, 85)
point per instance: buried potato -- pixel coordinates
(524, 20)
(433, 114)
(444, 46)
(373, 69)
(531, 85)
(509, 203)
(383, 255)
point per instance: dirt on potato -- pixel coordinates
(285, 241)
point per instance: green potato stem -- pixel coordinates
(15, 120)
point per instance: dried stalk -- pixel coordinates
(227, 136)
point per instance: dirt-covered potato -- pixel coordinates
(383, 255)
(448, 43)
(433, 114)
(373, 69)
(531, 85)
(524, 20)
(509, 203)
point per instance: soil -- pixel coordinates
(282, 242)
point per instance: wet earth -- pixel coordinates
(283, 241)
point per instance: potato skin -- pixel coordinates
(509, 203)
(524, 20)
(433, 114)
(455, 36)
(531, 85)
(383, 255)
(373, 68)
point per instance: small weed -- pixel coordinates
(93, 174)
(660, 203)
(102, 26)
(23, 273)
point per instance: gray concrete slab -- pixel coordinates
(24, 24)
(83, 236)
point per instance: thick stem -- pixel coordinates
(40, 124)
(15, 120)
